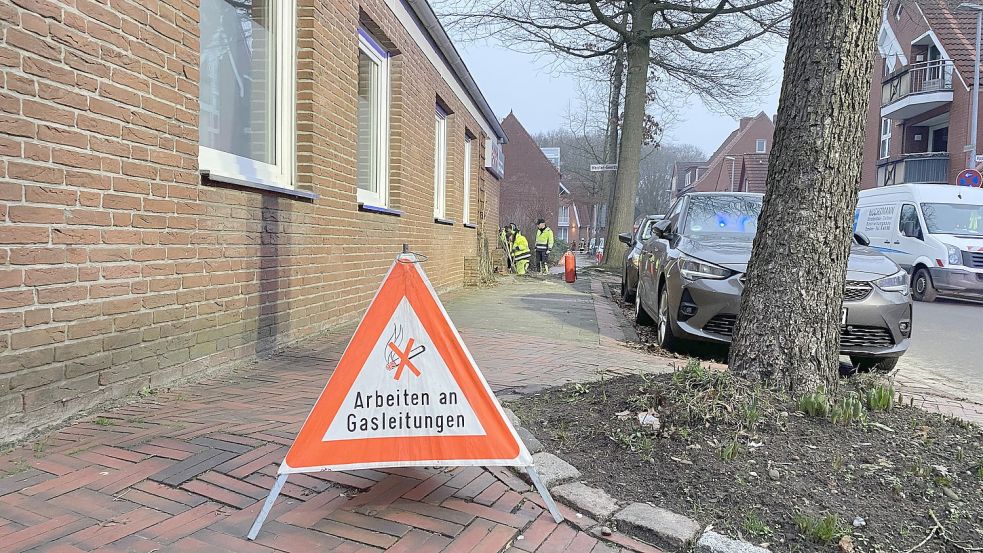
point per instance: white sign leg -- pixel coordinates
(545, 493)
(270, 499)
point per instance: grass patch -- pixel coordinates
(822, 530)
(103, 421)
(756, 527)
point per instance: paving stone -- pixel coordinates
(657, 526)
(712, 542)
(593, 501)
(532, 443)
(516, 421)
(553, 470)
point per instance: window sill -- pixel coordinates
(212, 179)
(380, 210)
(441, 221)
(470, 225)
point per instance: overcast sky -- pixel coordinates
(541, 98)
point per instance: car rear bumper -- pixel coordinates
(957, 282)
(873, 326)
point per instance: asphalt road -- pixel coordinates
(946, 350)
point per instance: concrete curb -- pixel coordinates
(643, 521)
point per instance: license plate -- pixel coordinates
(843, 321)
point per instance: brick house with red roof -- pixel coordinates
(921, 94)
(531, 186)
(739, 164)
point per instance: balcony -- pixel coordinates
(931, 167)
(919, 88)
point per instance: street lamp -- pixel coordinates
(971, 163)
(733, 162)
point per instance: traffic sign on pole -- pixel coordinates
(970, 177)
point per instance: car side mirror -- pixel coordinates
(909, 229)
(861, 239)
(625, 238)
(661, 228)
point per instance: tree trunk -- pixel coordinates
(788, 330)
(614, 127)
(621, 211)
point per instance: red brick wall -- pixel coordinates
(120, 269)
(531, 187)
(717, 176)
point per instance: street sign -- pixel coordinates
(604, 167)
(970, 177)
(979, 159)
(406, 392)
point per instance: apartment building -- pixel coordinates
(921, 94)
(185, 185)
(739, 164)
(531, 185)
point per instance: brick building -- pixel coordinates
(187, 185)
(736, 165)
(531, 185)
(921, 94)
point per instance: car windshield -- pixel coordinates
(953, 218)
(722, 214)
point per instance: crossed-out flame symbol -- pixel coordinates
(400, 359)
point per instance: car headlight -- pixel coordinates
(898, 282)
(693, 269)
(955, 256)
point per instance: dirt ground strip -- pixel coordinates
(895, 471)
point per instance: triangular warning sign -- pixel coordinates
(406, 392)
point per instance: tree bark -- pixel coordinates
(788, 330)
(621, 211)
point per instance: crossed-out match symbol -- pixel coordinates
(405, 357)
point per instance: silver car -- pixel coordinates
(691, 277)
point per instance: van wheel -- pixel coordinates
(871, 364)
(922, 288)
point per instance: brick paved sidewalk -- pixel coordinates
(187, 470)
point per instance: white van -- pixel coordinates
(933, 231)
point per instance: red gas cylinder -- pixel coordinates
(569, 267)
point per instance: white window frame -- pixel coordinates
(374, 51)
(760, 146)
(440, 165)
(884, 146)
(466, 211)
(225, 167)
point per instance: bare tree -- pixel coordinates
(589, 29)
(788, 330)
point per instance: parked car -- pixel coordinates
(933, 231)
(692, 277)
(641, 232)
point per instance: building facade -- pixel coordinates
(187, 185)
(921, 94)
(736, 164)
(531, 185)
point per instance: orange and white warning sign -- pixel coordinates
(405, 392)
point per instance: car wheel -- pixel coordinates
(872, 364)
(626, 292)
(641, 316)
(667, 340)
(921, 286)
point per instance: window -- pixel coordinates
(885, 138)
(563, 234)
(908, 224)
(760, 146)
(440, 165)
(246, 91)
(689, 178)
(898, 12)
(372, 155)
(467, 180)
(563, 220)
